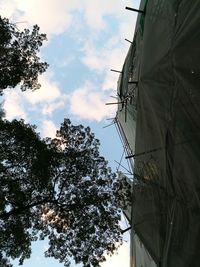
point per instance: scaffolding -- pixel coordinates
(158, 120)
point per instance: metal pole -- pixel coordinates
(116, 71)
(136, 10)
(128, 41)
(133, 82)
(115, 103)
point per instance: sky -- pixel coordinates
(85, 41)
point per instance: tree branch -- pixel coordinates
(20, 210)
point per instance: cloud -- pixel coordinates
(48, 98)
(120, 259)
(50, 107)
(8, 8)
(13, 105)
(101, 56)
(89, 104)
(94, 15)
(110, 56)
(57, 16)
(53, 16)
(49, 91)
(48, 129)
(55, 21)
(110, 82)
(96, 12)
(43, 101)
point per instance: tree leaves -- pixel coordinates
(19, 62)
(61, 189)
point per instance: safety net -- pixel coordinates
(159, 118)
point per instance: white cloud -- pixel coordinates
(96, 11)
(48, 98)
(43, 101)
(125, 31)
(86, 103)
(13, 105)
(53, 16)
(92, 58)
(8, 8)
(48, 129)
(122, 259)
(110, 82)
(110, 56)
(49, 91)
(50, 107)
(94, 15)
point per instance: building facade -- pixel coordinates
(158, 118)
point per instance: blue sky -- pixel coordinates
(85, 40)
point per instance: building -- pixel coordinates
(158, 119)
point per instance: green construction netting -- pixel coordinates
(164, 108)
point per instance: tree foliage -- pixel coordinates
(2, 111)
(19, 60)
(23, 184)
(60, 189)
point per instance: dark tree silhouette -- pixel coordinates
(24, 183)
(19, 61)
(60, 189)
(2, 111)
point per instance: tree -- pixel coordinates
(2, 111)
(60, 189)
(19, 62)
(24, 183)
